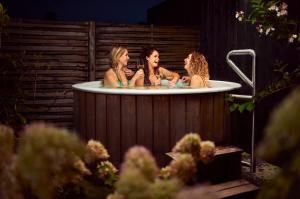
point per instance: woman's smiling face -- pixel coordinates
(153, 59)
(187, 62)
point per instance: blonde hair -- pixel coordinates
(115, 54)
(199, 65)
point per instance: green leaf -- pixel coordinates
(242, 107)
(250, 107)
(233, 107)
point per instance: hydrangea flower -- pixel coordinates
(184, 168)
(95, 151)
(207, 152)
(190, 143)
(139, 158)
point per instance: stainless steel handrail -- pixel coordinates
(252, 84)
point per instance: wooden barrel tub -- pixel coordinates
(154, 117)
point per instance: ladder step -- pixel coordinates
(226, 165)
(241, 188)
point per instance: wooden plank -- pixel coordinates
(144, 119)
(243, 189)
(177, 118)
(45, 32)
(44, 48)
(128, 122)
(90, 111)
(221, 150)
(227, 185)
(83, 115)
(218, 132)
(207, 116)
(61, 42)
(193, 114)
(114, 128)
(92, 62)
(101, 112)
(161, 128)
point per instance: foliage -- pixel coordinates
(50, 163)
(271, 20)
(281, 144)
(139, 180)
(4, 18)
(191, 157)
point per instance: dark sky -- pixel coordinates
(116, 11)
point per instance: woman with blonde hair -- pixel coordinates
(197, 69)
(115, 76)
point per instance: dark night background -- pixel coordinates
(115, 11)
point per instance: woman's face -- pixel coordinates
(153, 59)
(123, 60)
(187, 62)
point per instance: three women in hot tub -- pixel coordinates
(195, 65)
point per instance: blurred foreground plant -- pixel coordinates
(139, 178)
(281, 145)
(50, 162)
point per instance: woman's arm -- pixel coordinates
(110, 79)
(171, 76)
(137, 79)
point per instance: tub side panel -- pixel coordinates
(177, 118)
(218, 132)
(91, 112)
(207, 116)
(101, 119)
(193, 122)
(114, 128)
(128, 122)
(76, 111)
(82, 114)
(161, 128)
(144, 121)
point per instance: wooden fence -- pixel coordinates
(61, 54)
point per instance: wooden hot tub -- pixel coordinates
(153, 117)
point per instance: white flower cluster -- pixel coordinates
(268, 30)
(239, 15)
(280, 11)
(292, 38)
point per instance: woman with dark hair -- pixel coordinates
(116, 75)
(197, 69)
(153, 72)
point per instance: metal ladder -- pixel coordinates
(251, 83)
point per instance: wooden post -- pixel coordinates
(92, 44)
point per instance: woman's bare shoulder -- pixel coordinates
(109, 72)
(197, 81)
(196, 77)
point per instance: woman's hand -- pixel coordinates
(139, 74)
(186, 78)
(128, 72)
(172, 83)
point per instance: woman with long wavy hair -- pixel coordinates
(197, 68)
